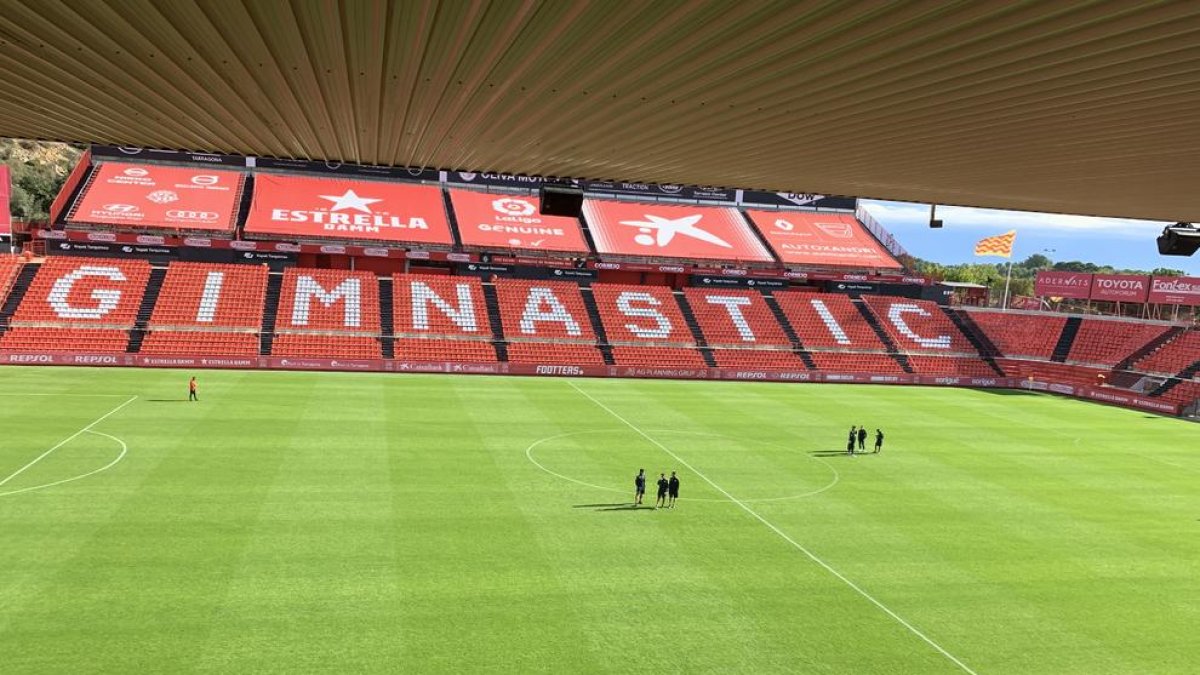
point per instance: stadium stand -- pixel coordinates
(1173, 356)
(769, 359)
(328, 313)
(1021, 335)
(544, 310)
(79, 304)
(663, 357)
(950, 365)
(640, 315)
(829, 321)
(735, 318)
(918, 326)
(1108, 342)
(200, 295)
(427, 305)
(444, 349)
(845, 362)
(554, 352)
(200, 343)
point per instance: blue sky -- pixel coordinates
(1105, 241)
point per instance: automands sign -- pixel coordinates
(153, 196)
(320, 208)
(672, 231)
(1063, 284)
(1120, 287)
(1175, 290)
(501, 221)
(821, 239)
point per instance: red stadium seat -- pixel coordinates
(1021, 335)
(918, 326)
(1172, 357)
(663, 357)
(1108, 342)
(427, 305)
(434, 349)
(771, 359)
(554, 353)
(843, 362)
(735, 317)
(201, 295)
(325, 346)
(641, 314)
(549, 310)
(950, 366)
(200, 343)
(828, 321)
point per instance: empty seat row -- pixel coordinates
(828, 321)
(918, 326)
(333, 300)
(64, 339)
(551, 310)
(434, 305)
(82, 291)
(1023, 335)
(641, 314)
(553, 352)
(208, 295)
(661, 357)
(735, 317)
(771, 359)
(1180, 352)
(1107, 343)
(839, 362)
(200, 343)
(431, 349)
(326, 346)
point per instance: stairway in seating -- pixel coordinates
(1066, 339)
(589, 301)
(1169, 384)
(988, 351)
(694, 326)
(797, 346)
(17, 293)
(270, 308)
(146, 309)
(493, 310)
(1151, 346)
(893, 350)
(387, 318)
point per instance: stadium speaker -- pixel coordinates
(561, 200)
(1179, 239)
(936, 223)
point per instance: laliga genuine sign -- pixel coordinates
(319, 208)
(152, 196)
(513, 221)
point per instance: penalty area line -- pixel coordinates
(798, 546)
(68, 439)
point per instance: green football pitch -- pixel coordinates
(301, 522)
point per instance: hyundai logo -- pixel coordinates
(121, 208)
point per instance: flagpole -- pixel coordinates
(1007, 280)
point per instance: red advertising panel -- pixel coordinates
(168, 197)
(1175, 290)
(1120, 287)
(513, 221)
(325, 208)
(1063, 285)
(672, 231)
(821, 239)
(5, 209)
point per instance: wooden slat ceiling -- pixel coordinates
(1077, 107)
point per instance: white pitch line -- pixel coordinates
(106, 467)
(799, 547)
(68, 439)
(73, 395)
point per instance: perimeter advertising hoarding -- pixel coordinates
(821, 239)
(1175, 291)
(1063, 285)
(167, 197)
(1120, 287)
(672, 231)
(317, 208)
(498, 221)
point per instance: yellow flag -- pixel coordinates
(1001, 245)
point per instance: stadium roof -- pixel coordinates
(1079, 107)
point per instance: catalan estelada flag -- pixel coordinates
(1001, 245)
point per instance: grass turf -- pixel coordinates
(298, 522)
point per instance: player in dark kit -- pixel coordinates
(662, 491)
(862, 438)
(673, 489)
(850, 442)
(639, 487)
(192, 390)
(878, 440)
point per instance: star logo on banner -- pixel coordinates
(667, 228)
(349, 200)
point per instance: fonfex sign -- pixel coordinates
(314, 208)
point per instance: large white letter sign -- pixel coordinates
(349, 290)
(422, 296)
(835, 329)
(661, 331)
(895, 315)
(106, 299)
(733, 305)
(555, 311)
(211, 296)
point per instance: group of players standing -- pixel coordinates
(668, 489)
(859, 435)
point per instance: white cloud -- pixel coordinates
(892, 214)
